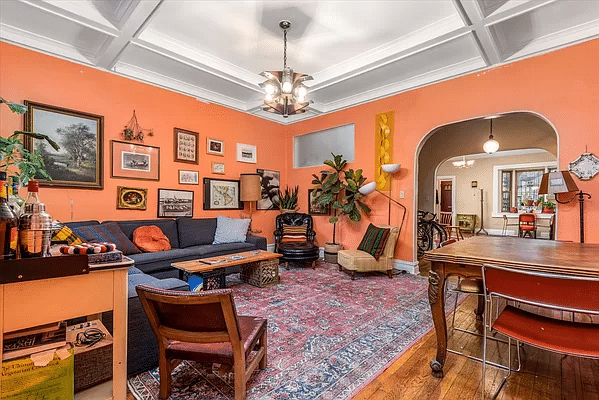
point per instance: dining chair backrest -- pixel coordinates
(543, 289)
(527, 219)
(445, 218)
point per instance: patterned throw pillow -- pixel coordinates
(151, 239)
(374, 241)
(62, 233)
(294, 233)
(109, 232)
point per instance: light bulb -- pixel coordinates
(491, 146)
(269, 88)
(302, 91)
(268, 97)
(287, 87)
(301, 99)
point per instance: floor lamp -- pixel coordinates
(250, 190)
(371, 187)
(562, 182)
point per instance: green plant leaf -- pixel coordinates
(334, 220)
(364, 207)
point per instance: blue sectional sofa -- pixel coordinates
(190, 239)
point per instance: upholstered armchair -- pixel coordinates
(360, 261)
(294, 238)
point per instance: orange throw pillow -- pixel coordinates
(150, 239)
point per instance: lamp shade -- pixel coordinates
(390, 168)
(491, 146)
(557, 182)
(368, 188)
(250, 189)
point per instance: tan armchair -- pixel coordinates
(360, 261)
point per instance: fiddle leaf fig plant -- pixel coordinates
(13, 153)
(340, 189)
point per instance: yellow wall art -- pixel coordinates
(383, 148)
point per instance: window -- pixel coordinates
(506, 191)
(527, 185)
(312, 149)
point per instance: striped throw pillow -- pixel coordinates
(294, 233)
(374, 241)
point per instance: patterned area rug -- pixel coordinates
(328, 336)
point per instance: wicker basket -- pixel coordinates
(261, 273)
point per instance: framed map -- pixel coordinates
(221, 194)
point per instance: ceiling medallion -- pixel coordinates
(285, 92)
(585, 167)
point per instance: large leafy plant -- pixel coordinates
(288, 200)
(13, 153)
(340, 190)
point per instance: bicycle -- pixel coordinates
(430, 233)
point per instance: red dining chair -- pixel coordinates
(527, 225)
(557, 292)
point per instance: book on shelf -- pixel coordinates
(33, 340)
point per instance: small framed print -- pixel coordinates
(186, 146)
(474, 183)
(175, 203)
(216, 147)
(131, 198)
(246, 153)
(189, 177)
(218, 167)
(135, 161)
(221, 194)
(313, 207)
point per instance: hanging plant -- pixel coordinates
(133, 131)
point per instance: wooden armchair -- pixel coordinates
(203, 326)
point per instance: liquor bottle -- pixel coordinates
(14, 200)
(8, 224)
(35, 225)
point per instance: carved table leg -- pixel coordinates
(436, 298)
(480, 308)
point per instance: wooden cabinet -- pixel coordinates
(466, 222)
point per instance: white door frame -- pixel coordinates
(438, 180)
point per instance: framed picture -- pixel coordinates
(246, 153)
(135, 161)
(79, 161)
(186, 146)
(189, 177)
(175, 203)
(221, 194)
(131, 198)
(270, 182)
(216, 147)
(218, 167)
(313, 207)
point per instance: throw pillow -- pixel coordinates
(374, 241)
(151, 239)
(62, 233)
(109, 232)
(294, 233)
(230, 230)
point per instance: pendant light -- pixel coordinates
(491, 145)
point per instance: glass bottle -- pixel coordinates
(14, 200)
(8, 224)
(35, 225)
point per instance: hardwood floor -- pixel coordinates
(544, 375)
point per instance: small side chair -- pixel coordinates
(203, 326)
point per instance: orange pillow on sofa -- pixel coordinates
(151, 239)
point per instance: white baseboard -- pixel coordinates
(410, 267)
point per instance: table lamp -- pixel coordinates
(562, 182)
(371, 187)
(251, 191)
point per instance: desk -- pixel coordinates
(37, 302)
(466, 257)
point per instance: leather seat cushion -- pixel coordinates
(298, 248)
(251, 329)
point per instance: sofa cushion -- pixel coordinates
(196, 231)
(168, 227)
(230, 230)
(374, 240)
(82, 223)
(144, 279)
(110, 232)
(134, 271)
(150, 239)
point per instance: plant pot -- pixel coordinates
(330, 252)
(514, 210)
(528, 203)
(548, 210)
(286, 211)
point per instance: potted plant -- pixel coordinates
(287, 202)
(13, 153)
(548, 207)
(340, 189)
(538, 201)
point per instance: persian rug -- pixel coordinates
(328, 336)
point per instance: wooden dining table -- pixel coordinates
(466, 257)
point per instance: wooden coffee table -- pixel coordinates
(257, 269)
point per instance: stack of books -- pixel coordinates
(29, 341)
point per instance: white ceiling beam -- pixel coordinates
(132, 27)
(473, 16)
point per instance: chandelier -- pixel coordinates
(285, 92)
(463, 163)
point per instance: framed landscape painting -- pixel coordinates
(78, 162)
(135, 161)
(175, 203)
(221, 194)
(270, 182)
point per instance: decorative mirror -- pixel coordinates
(585, 167)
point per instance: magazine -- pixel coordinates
(35, 341)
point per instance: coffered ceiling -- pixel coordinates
(357, 51)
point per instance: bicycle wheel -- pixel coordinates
(424, 240)
(439, 235)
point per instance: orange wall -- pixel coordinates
(562, 86)
(28, 75)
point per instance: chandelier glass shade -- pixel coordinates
(491, 145)
(285, 91)
(463, 163)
